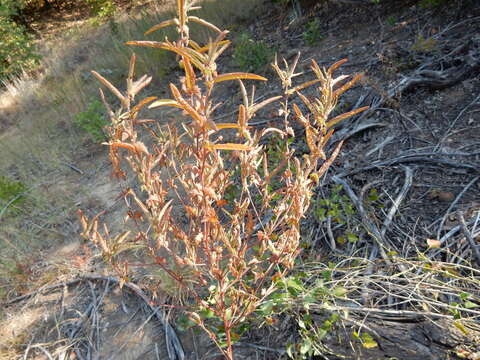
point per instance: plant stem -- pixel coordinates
(229, 352)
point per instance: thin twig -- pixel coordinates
(74, 168)
(468, 235)
(412, 159)
(452, 205)
(263, 348)
(396, 203)
(388, 314)
(330, 233)
(370, 226)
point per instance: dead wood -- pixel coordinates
(406, 338)
(431, 158)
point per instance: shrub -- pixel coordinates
(9, 8)
(229, 255)
(17, 50)
(102, 8)
(312, 33)
(252, 55)
(424, 45)
(92, 121)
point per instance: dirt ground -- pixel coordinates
(412, 163)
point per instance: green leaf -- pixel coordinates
(228, 313)
(327, 275)
(306, 346)
(184, 323)
(352, 237)
(301, 324)
(322, 333)
(309, 299)
(206, 314)
(341, 240)
(460, 326)
(294, 286)
(368, 342)
(339, 291)
(469, 305)
(266, 308)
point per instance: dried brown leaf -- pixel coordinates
(204, 23)
(162, 25)
(112, 88)
(238, 76)
(346, 115)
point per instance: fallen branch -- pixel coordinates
(413, 159)
(370, 226)
(396, 203)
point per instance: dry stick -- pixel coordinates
(73, 167)
(468, 235)
(411, 159)
(454, 202)
(174, 346)
(50, 357)
(330, 233)
(261, 347)
(447, 236)
(368, 271)
(380, 146)
(396, 203)
(370, 226)
(93, 317)
(388, 314)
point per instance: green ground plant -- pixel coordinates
(102, 8)
(252, 55)
(228, 257)
(11, 195)
(391, 21)
(92, 121)
(312, 33)
(340, 209)
(424, 44)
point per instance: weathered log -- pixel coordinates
(405, 339)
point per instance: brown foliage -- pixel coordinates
(228, 254)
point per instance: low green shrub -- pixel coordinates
(252, 55)
(102, 8)
(17, 51)
(312, 33)
(92, 121)
(9, 8)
